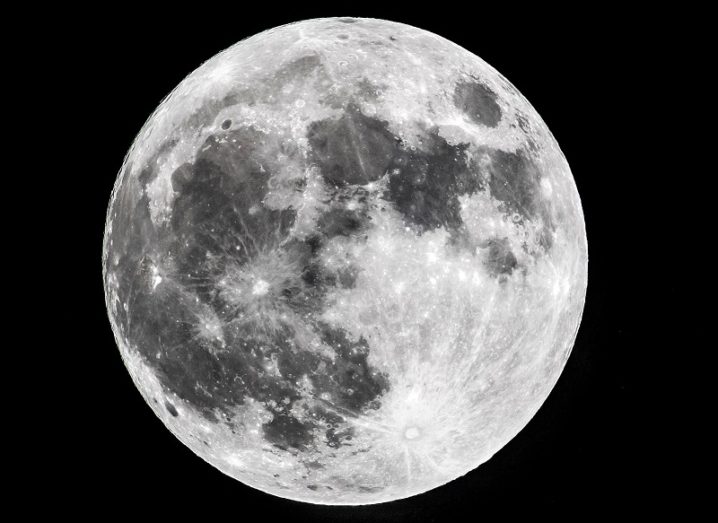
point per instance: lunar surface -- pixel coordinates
(345, 261)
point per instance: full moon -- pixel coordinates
(345, 261)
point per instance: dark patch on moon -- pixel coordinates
(295, 70)
(367, 489)
(344, 278)
(312, 274)
(515, 180)
(334, 222)
(500, 259)
(314, 465)
(523, 123)
(171, 409)
(314, 242)
(276, 87)
(218, 219)
(478, 102)
(226, 124)
(368, 90)
(341, 222)
(353, 150)
(425, 185)
(333, 436)
(286, 432)
(346, 379)
(351, 382)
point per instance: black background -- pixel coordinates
(587, 450)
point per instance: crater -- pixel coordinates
(478, 102)
(412, 433)
(171, 409)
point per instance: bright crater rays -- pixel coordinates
(345, 261)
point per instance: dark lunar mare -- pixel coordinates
(217, 218)
(425, 184)
(515, 180)
(500, 258)
(352, 150)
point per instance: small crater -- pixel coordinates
(226, 124)
(314, 465)
(171, 409)
(412, 433)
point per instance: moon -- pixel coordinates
(345, 261)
